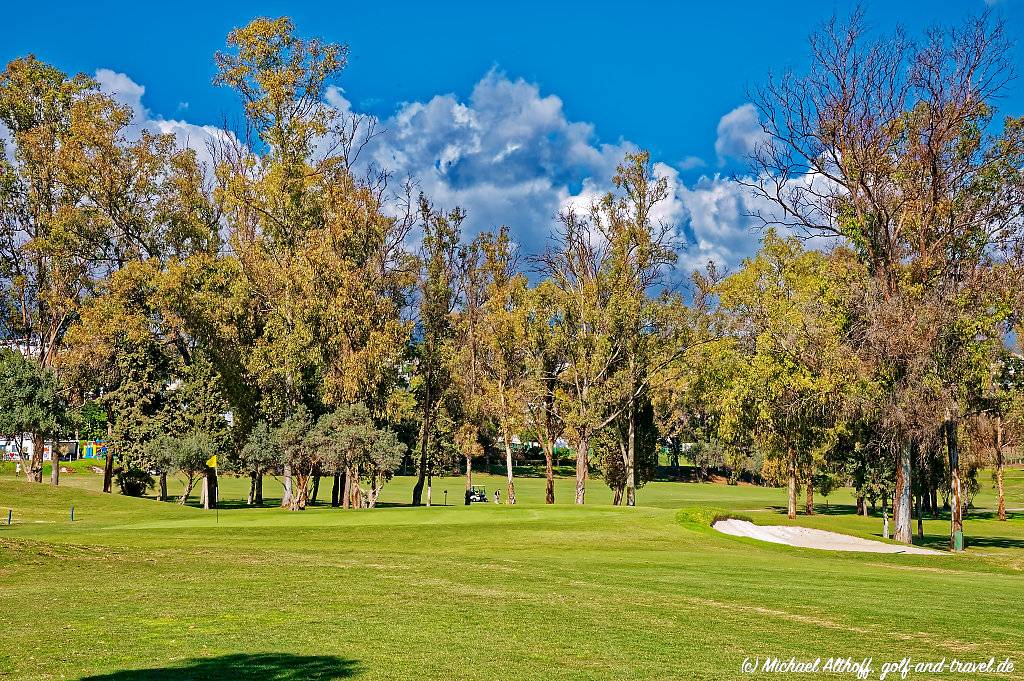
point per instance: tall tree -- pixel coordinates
(505, 367)
(889, 144)
(789, 308)
(438, 296)
(544, 360)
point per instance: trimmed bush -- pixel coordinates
(134, 482)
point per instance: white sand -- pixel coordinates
(808, 538)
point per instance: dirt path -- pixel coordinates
(808, 538)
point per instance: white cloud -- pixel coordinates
(6, 142)
(508, 154)
(127, 92)
(124, 90)
(739, 134)
(717, 213)
(691, 162)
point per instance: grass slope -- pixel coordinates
(138, 589)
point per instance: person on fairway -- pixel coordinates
(497, 496)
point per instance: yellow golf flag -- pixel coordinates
(212, 461)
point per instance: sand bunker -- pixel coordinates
(808, 538)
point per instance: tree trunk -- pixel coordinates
(25, 461)
(357, 497)
(210, 489)
(430, 487)
(511, 487)
(885, 519)
(809, 500)
(791, 509)
(549, 473)
(55, 463)
(190, 483)
(37, 457)
(300, 489)
(862, 508)
(630, 491)
(901, 502)
(252, 489)
(469, 472)
(1000, 463)
(935, 502)
(346, 499)
(920, 519)
(259, 487)
(617, 496)
(162, 490)
(336, 490)
(108, 464)
(316, 487)
(956, 518)
(204, 492)
(582, 454)
(417, 490)
(214, 490)
(286, 498)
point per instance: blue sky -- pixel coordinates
(508, 108)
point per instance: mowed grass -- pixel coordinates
(137, 589)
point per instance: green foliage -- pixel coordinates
(134, 482)
(90, 420)
(258, 454)
(31, 400)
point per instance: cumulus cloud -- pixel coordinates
(739, 134)
(509, 154)
(719, 225)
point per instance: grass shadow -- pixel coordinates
(264, 666)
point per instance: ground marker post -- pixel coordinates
(72, 514)
(10, 514)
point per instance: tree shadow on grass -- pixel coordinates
(941, 542)
(262, 666)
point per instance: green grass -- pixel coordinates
(139, 589)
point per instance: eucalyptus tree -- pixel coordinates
(544, 361)
(642, 247)
(82, 197)
(788, 308)
(321, 250)
(505, 367)
(890, 144)
(271, 188)
(49, 240)
(576, 263)
(469, 355)
(437, 292)
(604, 265)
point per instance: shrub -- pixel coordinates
(134, 482)
(707, 516)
